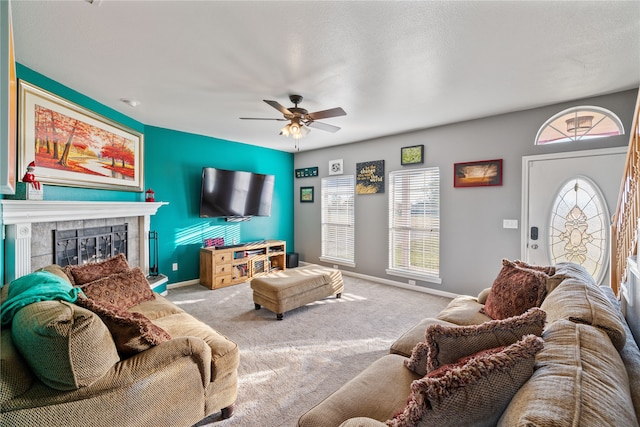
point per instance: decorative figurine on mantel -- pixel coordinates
(30, 177)
(30, 188)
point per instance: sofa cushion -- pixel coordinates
(471, 392)
(569, 270)
(407, 341)
(463, 310)
(15, 375)
(85, 273)
(66, 346)
(584, 303)
(132, 332)
(123, 290)
(446, 344)
(579, 380)
(225, 355)
(514, 291)
(378, 392)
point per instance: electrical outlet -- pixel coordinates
(175, 266)
(412, 282)
(336, 266)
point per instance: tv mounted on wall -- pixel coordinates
(235, 194)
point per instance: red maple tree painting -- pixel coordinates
(65, 143)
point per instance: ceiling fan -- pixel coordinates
(300, 120)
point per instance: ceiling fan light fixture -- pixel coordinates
(579, 124)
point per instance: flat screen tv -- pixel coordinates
(228, 193)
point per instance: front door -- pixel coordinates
(566, 205)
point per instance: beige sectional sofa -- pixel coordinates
(587, 372)
(67, 367)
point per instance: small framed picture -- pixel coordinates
(413, 155)
(335, 167)
(306, 194)
(484, 173)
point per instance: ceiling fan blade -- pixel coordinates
(325, 114)
(323, 126)
(278, 106)
(261, 118)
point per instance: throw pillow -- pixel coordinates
(81, 274)
(549, 270)
(514, 291)
(66, 346)
(124, 290)
(446, 344)
(132, 332)
(472, 392)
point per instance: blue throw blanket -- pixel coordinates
(35, 287)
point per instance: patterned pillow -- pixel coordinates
(471, 392)
(446, 344)
(514, 291)
(131, 332)
(81, 274)
(123, 290)
(549, 270)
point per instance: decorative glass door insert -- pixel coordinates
(579, 226)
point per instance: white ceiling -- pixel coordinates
(393, 66)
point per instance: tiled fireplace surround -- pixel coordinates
(29, 225)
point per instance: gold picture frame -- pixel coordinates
(75, 147)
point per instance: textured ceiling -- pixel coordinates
(197, 66)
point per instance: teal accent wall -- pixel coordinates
(173, 164)
(173, 169)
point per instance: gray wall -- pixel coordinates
(472, 241)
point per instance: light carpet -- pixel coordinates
(289, 366)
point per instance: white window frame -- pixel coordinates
(608, 119)
(338, 220)
(414, 210)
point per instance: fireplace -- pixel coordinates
(30, 225)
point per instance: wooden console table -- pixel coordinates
(231, 265)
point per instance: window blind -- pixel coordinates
(414, 223)
(337, 219)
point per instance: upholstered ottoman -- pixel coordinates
(295, 287)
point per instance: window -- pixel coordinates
(414, 224)
(579, 123)
(338, 220)
(578, 230)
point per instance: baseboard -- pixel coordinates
(351, 273)
(396, 283)
(185, 283)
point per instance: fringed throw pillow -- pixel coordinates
(132, 332)
(447, 344)
(124, 290)
(85, 273)
(471, 392)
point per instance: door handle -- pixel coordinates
(534, 233)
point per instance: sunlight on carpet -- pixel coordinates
(289, 366)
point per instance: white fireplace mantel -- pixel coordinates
(18, 215)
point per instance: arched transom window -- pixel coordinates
(578, 124)
(579, 226)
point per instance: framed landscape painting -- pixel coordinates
(484, 173)
(72, 146)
